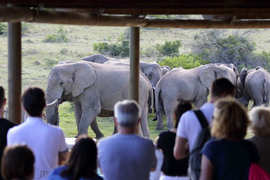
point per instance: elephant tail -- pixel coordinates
(158, 101)
(265, 90)
(151, 100)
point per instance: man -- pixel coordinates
(189, 126)
(126, 155)
(5, 125)
(46, 141)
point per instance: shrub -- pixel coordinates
(115, 49)
(187, 61)
(232, 49)
(169, 48)
(3, 28)
(59, 37)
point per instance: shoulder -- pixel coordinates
(54, 129)
(6, 123)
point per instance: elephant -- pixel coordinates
(152, 71)
(94, 89)
(190, 85)
(255, 86)
(165, 69)
(97, 58)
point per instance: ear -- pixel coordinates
(84, 76)
(207, 76)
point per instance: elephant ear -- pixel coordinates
(83, 77)
(207, 76)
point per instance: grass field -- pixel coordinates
(40, 56)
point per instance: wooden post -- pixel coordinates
(134, 54)
(14, 72)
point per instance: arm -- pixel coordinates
(206, 169)
(180, 148)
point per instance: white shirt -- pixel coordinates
(46, 141)
(189, 126)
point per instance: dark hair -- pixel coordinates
(17, 163)
(180, 109)
(83, 160)
(222, 87)
(34, 101)
(2, 96)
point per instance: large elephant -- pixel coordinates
(187, 85)
(94, 89)
(255, 85)
(152, 71)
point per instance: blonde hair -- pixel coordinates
(260, 121)
(230, 120)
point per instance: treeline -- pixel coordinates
(210, 47)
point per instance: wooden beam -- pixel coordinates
(73, 18)
(135, 4)
(134, 54)
(14, 72)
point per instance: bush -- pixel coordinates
(186, 61)
(3, 28)
(115, 49)
(169, 48)
(232, 49)
(59, 37)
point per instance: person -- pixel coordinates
(172, 168)
(126, 155)
(228, 155)
(46, 141)
(18, 163)
(82, 162)
(189, 126)
(5, 124)
(260, 125)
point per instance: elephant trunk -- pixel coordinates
(52, 114)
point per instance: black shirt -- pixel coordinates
(5, 125)
(171, 166)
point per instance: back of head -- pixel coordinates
(18, 163)
(180, 109)
(230, 120)
(260, 118)
(34, 101)
(2, 96)
(222, 87)
(82, 161)
(127, 113)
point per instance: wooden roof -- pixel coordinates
(220, 14)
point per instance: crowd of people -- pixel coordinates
(215, 135)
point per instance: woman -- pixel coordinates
(228, 155)
(18, 163)
(172, 168)
(260, 118)
(82, 163)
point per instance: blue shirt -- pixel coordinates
(231, 159)
(56, 175)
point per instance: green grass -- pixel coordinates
(67, 123)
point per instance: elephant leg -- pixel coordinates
(144, 122)
(159, 120)
(95, 128)
(87, 118)
(169, 107)
(115, 129)
(78, 113)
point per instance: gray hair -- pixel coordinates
(260, 117)
(127, 113)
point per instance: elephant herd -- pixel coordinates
(96, 83)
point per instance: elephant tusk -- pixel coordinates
(53, 103)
